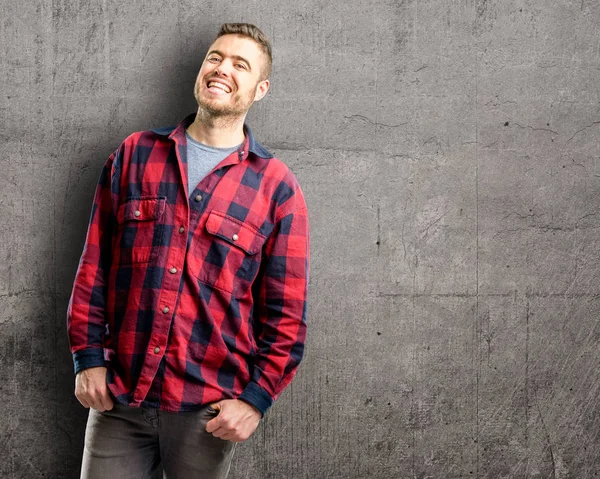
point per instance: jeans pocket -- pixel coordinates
(212, 411)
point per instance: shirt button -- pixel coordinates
(173, 270)
(235, 237)
(137, 213)
(198, 198)
(181, 229)
(166, 309)
(156, 350)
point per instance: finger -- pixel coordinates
(83, 402)
(96, 404)
(95, 401)
(212, 426)
(219, 432)
(106, 401)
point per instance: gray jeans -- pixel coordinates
(130, 443)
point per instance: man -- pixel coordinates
(187, 317)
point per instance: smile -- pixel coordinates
(212, 85)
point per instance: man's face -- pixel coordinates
(229, 79)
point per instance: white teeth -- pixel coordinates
(219, 85)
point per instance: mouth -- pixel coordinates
(218, 87)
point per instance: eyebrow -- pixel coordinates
(237, 57)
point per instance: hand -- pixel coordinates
(236, 421)
(91, 389)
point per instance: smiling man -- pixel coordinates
(187, 317)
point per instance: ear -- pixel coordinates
(261, 90)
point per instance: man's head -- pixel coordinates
(250, 31)
(235, 71)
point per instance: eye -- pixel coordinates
(213, 59)
(242, 66)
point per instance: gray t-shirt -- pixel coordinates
(201, 159)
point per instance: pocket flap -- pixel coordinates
(234, 231)
(143, 208)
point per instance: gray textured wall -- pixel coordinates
(449, 153)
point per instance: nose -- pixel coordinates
(224, 68)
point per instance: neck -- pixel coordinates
(217, 131)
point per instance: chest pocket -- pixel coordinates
(140, 229)
(230, 253)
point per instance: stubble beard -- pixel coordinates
(224, 115)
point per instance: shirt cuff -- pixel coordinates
(257, 396)
(88, 358)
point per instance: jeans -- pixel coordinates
(128, 442)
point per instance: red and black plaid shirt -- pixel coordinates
(192, 297)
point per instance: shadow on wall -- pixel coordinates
(83, 153)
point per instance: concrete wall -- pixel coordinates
(449, 153)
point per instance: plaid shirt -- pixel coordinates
(192, 297)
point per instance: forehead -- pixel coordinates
(230, 45)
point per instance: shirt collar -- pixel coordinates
(252, 145)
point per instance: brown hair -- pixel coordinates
(256, 34)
